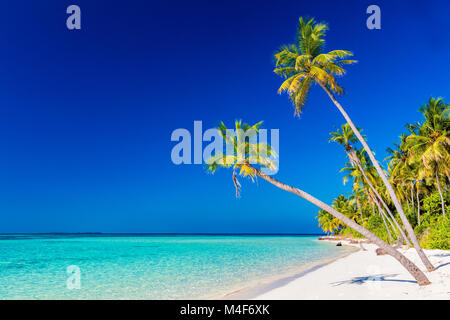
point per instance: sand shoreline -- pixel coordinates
(267, 284)
(360, 275)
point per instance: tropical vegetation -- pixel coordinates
(418, 168)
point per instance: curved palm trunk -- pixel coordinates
(422, 280)
(402, 234)
(440, 194)
(386, 182)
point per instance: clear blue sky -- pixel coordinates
(86, 116)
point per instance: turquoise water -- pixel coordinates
(149, 267)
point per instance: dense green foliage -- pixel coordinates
(437, 233)
(432, 203)
(375, 224)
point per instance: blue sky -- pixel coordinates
(86, 116)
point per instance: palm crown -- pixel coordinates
(304, 63)
(346, 137)
(429, 144)
(242, 153)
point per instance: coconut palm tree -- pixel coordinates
(305, 63)
(247, 158)
(429, 145)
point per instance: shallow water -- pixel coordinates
(149, 267)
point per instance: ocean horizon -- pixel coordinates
(150, 266)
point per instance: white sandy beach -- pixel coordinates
(364, 275)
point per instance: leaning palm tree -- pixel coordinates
(305, 63)
(250, 160)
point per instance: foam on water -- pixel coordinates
(149, 267)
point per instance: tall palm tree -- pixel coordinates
(305, 63)
(246, 161)
(430, 144)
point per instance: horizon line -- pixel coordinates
(160, 233)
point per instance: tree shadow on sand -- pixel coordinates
(379, 277)
(440, 255)
(443, 265)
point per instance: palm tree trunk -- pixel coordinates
(407, 202)
(418, 205)
(440, 193)
(422, 280)
(402, 234)
(358, 204)
(412, 197)
(386, 182)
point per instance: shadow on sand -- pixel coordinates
(443, 265)
(377, 277)
(440, 255)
